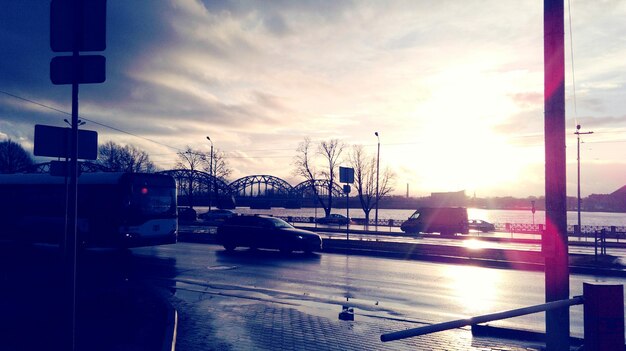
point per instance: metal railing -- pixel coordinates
(587, 231)
(603, 313)
(578, 300)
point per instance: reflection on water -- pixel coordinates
(493, 216)
(474, 288)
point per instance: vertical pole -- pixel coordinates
(554, 239)
(70, 235)
(348, 212)
(578, 182)
(578, 207)
(377, 173)
(72, 191)
(215, 177)
(210, 180)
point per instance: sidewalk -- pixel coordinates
(239, 324)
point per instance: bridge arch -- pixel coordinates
(305, 189)
(84, 167)
(200, 188)
(262, 191)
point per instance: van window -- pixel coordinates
(415, 215)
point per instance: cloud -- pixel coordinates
(263, 75)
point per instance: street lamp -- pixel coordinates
(377, 173)
(210, 169)
(578, 133)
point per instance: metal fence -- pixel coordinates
(587, 231)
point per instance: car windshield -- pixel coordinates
(415, 215)
(279, 223)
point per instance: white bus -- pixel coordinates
(114, 209)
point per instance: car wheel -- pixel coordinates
(230, 247)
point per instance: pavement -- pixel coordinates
(239, 324)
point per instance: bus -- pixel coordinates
(114, 210)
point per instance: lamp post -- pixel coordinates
(377, 173)
(578, 133)
(210, 169)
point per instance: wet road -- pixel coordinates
(320, 284)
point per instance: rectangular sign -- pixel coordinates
(87, 69)
(55, 142)
(68, 23)
(346, 175)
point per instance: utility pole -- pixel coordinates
(578, 133)
(554, 239)
(377, 173)
(210, 169)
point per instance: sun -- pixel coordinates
(456, 144)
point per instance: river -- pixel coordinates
(493, 216)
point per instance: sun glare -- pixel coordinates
(474, 244)
(474, 288)
(456, 144)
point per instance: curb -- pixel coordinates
(171, 328)
(485, 330)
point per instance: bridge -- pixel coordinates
(254, 191)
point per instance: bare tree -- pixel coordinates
(13, 157)
(305, 166)
(365, 179)
(330, 151)
(191, 160)
(306, 163)
(221, 170)
(127, 158)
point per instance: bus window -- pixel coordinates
(154, 200)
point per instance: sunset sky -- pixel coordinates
(454, 88)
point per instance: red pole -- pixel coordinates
(554, 239)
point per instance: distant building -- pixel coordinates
(448, 199)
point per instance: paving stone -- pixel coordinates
(228, 323)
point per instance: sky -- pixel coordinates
(454, 88)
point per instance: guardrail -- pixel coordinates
(587, 231)
(578, 300)
(603, 318)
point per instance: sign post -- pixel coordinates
(346, 175)
(75, 26)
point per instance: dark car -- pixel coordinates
(186, 214)
(265, 232)
(333, 219)
(479, 224)
(216, 216)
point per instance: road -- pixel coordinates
(321, 284)
(474, 240)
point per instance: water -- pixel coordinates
(493, 216)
